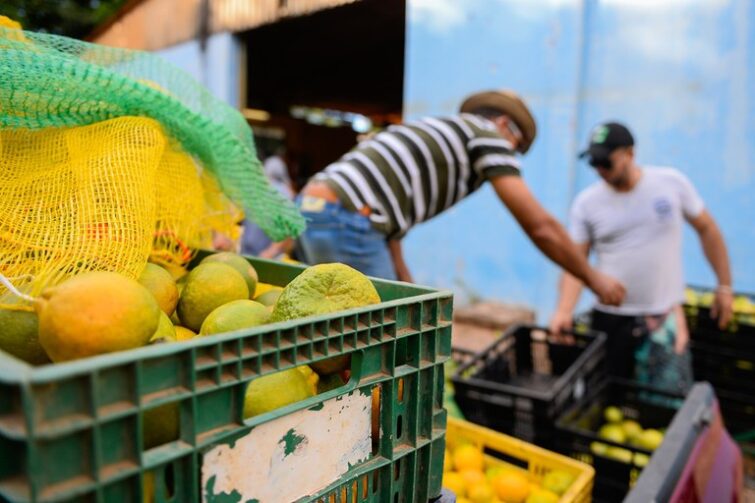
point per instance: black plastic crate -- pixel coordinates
(460, 356)
(725, 368)
(520, 383)
(739, 335)
(669, 473)
(738, 412)
(577, 427)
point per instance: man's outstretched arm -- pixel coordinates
(714, 248)
(552, 239)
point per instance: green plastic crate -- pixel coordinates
(73, 432)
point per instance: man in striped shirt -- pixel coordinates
(361, 206)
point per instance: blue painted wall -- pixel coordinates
(680, 73)
(217, 68)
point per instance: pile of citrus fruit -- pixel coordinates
(475, 478)
(743, 305)
(621, 430)
(104, 312)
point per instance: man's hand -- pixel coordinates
(715, 251)
(609, 291)
(722, 308)
(221, 242)
(682, 331)
(561, 322)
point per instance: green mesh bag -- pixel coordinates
(51, 81)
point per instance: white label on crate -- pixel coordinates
(293, 456)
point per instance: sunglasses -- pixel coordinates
(514, 130)
(601, 164)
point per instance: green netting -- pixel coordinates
(52, 81)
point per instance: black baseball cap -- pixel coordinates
(604, 139)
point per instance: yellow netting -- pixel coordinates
(100, 197)
(48, 81)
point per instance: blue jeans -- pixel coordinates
(335, 234)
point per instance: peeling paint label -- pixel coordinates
(291, 457)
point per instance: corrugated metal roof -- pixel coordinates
(156, 24)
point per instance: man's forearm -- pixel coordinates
(551, 238)
(716, 253)
(569, 291)
(397, 256)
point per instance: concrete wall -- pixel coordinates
(680, 73)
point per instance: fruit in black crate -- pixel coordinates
(619, 454)
(613, 414)
(632, 428)
(650, 439)
(613, 432)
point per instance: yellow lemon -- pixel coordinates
(542, 496)
(273, 391)
(148, 487)
(19, 335)
(165, 332)
(160, 425)
(312, 378)
(234, 315)
(239, 263)
(161, 284)
(480, 493)
(270, 297)
(207, 287)
(557, 481)
(184, 334)
(493, 471)
(263, 288)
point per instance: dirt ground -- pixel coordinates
(476, 327)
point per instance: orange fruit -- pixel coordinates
(511, 487)
(468, 457)
(454, 482)
(447, 461)
(481, 493)
(473, 478)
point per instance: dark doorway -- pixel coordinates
(348, 58)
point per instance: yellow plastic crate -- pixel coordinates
(533, 460)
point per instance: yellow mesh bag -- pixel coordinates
(99, 197)
(191, 207)
(221, 214)
(48, 81)
(180, 208)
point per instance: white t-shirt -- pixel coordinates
(637, 236)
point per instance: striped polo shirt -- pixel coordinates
(412, 172)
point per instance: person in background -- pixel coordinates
(633, 219)
(360, 207)
(254, 241)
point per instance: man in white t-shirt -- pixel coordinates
(633, 220)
